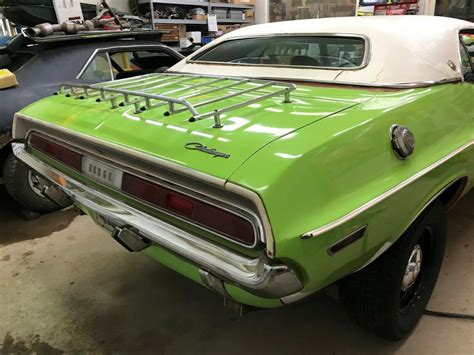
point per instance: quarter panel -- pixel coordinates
(320, 173)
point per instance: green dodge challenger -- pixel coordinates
(279, 159)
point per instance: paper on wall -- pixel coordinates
(68, 10)
(212, 23)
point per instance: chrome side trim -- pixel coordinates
(340, 221)
(365, 61)
(398, 86)
(256, 275)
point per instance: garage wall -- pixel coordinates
(262, 9)
(122, 5)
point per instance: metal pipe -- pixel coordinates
(47, 29)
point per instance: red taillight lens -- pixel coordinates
(179, 204)
(203, 214)
(57, 151)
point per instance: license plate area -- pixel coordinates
(102, 172)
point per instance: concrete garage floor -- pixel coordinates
(66, 286)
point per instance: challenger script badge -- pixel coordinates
(204, 149)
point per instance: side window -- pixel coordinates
(98, 69)
(466, 64)
(132, 63)
(467, 51)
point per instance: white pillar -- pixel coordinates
(429, 8)
(262, 11)
(2, 26)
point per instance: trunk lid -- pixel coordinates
(197, 145)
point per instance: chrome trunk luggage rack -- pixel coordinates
(146, 92)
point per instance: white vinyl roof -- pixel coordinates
(404, 51)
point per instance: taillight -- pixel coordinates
(201, 213)
(57, 151)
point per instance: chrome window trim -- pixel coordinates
(209, 185)
(365, 61)
(125, 48)
(400, 86)
(111, 69)
(358, 211)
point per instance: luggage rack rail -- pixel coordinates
(148, 92)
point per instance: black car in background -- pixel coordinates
(41, 65)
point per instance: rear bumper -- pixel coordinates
(258, 276)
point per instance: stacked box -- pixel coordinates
(174, 32)
(236, 14)
(220, 13)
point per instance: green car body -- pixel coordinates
(320, 173)
(312, 162)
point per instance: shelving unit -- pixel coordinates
(207, 5)
(231, 6)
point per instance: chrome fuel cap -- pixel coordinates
(403, 141)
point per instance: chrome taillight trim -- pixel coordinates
(239, 211)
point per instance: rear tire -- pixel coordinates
(390, 295)
(25, 186)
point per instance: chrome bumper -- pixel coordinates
(217, 264)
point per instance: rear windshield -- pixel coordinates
(290, 51)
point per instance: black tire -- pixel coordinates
(17, 178)
(374, 296)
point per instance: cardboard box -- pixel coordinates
(184, 43)
(236, 14)
(220, 13)
(195, 35)
(244, 2)
(249, 14)
(169, 38)
(228, 28)
(199, 17)
(166, 26)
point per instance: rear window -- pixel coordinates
(290, 51)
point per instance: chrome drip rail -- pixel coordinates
(143, 92)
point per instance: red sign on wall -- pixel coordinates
(406, 8)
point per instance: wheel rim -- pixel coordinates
(417, 270)
(36, 183)
(413, 268)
